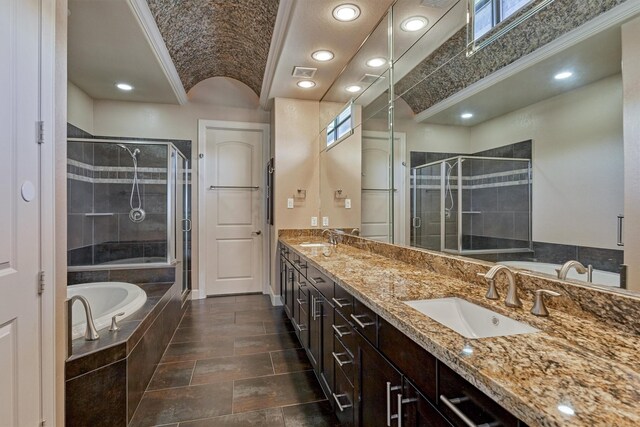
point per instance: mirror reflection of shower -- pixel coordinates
(449, 192)
(136, 214)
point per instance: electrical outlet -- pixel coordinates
(314, 221)
(347, 203)
(325, 221)
(290, 203)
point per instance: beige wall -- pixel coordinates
(631, 100)
(577, 159)
(79, 108)
(211, 99)
(340, 169)
(295, 130)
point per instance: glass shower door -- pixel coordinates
(426, 207)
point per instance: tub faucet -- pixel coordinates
(580, 268)
(90, 333)
(512, 299)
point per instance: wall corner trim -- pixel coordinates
(148, 23)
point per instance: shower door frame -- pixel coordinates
(458, 160)
(170, 258)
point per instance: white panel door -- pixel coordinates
(376, 184)
(233, 212)
(20, 396)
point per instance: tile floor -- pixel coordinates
(234, 361)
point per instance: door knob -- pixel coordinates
(256, 233)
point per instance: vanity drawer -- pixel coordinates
(300, 264)
(322, 283)
(457, 395)
(365, 321)
(343, 302)
(343, 359)
(342, 398)
(414, 361)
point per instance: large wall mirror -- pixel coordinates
(511, 152)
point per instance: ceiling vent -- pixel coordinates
(438, 4)
(368, 79)
(304, 72)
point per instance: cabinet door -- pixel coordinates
(315, 325)
(417, 411)
(377, 387)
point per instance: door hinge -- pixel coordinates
(40, 133)
(40, 283)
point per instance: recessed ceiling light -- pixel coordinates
(353, 88)
(563, 75)
(322, 55)
(346, 12)
(124, 86)
(466, 115)
(414, 23)
(376, 62)
(306, 84)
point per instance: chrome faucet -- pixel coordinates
(512, 299)
(332, 239)
(90, 333)
(580, 268)
(355, 232)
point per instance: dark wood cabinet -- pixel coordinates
(373, 374)
(378, 384)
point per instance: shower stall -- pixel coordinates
(472, 205)
(128, 205)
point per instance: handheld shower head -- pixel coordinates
(133, 153)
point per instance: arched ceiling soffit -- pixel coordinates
(217, 38)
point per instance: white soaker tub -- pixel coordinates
(106, 300)
(600, 277)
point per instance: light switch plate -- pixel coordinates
(314, 221)
(325, 221)
(347, 203)
(290, 203)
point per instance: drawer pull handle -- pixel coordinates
(345, 302)
(341, 362)
(389, 390)
(318, 279)
(342, 407)
(341, 334)
(301, 301)
(360, 323)
(451, 404)
(300, 327)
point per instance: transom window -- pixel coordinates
(489, 13)
(340, 127)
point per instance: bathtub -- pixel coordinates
(106, 299)
(600, 277)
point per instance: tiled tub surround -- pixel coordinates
(131, 275)
(105, 379)
(555, 20)
(585, 355)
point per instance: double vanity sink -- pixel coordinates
(470, 320)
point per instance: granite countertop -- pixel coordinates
(577, 362)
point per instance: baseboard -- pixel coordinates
(276, 300)
(196, 294)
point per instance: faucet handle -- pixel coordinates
(492, 292)
(539, 309)
(114, 324)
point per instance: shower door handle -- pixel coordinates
(620, 235)
(417, 222)
(186, 225)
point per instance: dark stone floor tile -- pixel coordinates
(276, 390)
(266, 343)
(278, 327)
(183, 404)
(290, 361)
(271, 315)
(206, 319)
(169, 375)
(265, 418)
(317, 414)
(215, 347)
(232, 368)
(255, 298)
(210, 332)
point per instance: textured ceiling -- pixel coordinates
(217, 38)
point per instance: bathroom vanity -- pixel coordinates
(381, 362)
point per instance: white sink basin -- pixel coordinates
(470, 320)
(313, 245)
